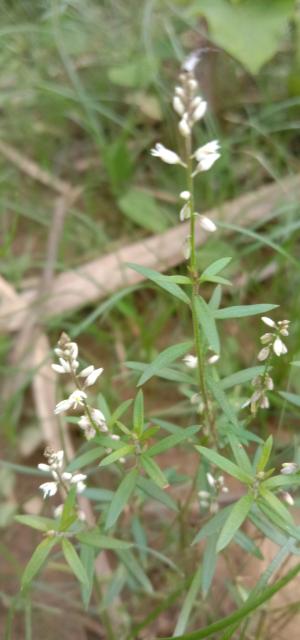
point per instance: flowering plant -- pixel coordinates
(131, 448)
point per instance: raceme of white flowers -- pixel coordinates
(274, 345)
(92, 420)
(190, 108)
(61, 479)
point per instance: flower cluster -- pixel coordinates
(61, 479)
(209, 499)
(272, 339)
(92, 420)
(273, 345)
(190, 108)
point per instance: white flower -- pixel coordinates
(49, 489)
(266, 338)
(86, 372)
(166, 155)
(289, 467)
(184, 127)
(286, 496)
(187, 247)
(190, 361)
(77, 398)
(62, 406)
(213, 359)
(185, 212)
(77, 479)
(279, 347)
(210, 479)
(115, 436)
(269, 322)
(178, 105)
(179, 92)
(263, 354)
(92, 377)
(206, 163)
(206, 223)
(185, 195)
(199, 111)
(206, 150)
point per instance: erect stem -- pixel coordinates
(195, 291)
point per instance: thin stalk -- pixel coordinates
(195, 291)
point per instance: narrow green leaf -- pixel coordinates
(37, 560)
(276, 482)
(235, 520)
(94, 538)
(37, 522)
(142, 209)
(206, 319)
(247, 544)
(87, 557)
(276, 505)
(138, 413)
(240, 455)
(162, 281)
(171, 441)
(240, 377)
(216, 297)
(153, 471)
(243, 311)
(181, 279)
(74, 562)
(265, 454)
(121, 497)
(151, 490)
(214, 525)
(225, 464)
(293, 398)
(68, 515)
(188, 604)
(164, 358)
(209, 564)
(215, 267)
(222, 401)
(85, 458)
(135, 569)
(166, 373)
(116, 455)
(117, 414)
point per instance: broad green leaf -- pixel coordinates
(37, 522)
(235, 520)
(215, 268)
(265, 454)
(164, 358)
(243, 311)
(142, 209)
(209, 564)
(121, 497)
(150, 489)
(153, 471)
(95, 539)
(74, 562)
(135, 569)
(116, 455)
(171, 441)
(85, 458)
(138, 413)
(293, 398)
(188, 603)
(87, 557)
(214, 525)
(240, 377)
(37, 560)
(225, 465)
(206, 319)
(161, 280)
(232, 25)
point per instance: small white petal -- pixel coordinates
(67, 475)
(44, 467)
(263, 354)
(58, 511)
(206, 223)
(199, 111)
(279, 347)
(115, 436)
(184, 128)
(49, 489)
(81, 486)
(78, 477)
(206, 163)
(185, 212)
(267, 337)
(268, 321)
(289, 467)
(209, 148)
(166, 155)
(178, 105)
(62, 406)
(58, 368)
(190, 361)
(77, 398)
(286, 496)
(92, 377)
(185, 195)
(213, 359)
(86, 372)
(210, 479)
